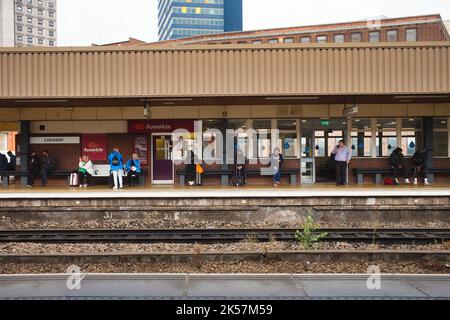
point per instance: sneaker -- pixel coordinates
(396, 182)
(80, 186)
(29, 186)
(416, 182)
(425, 182)
(85, 186)
(407, 181)
(115, 188)
(121, 187)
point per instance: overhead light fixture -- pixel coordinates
(42, 101)
(292, 98)
(422, 97)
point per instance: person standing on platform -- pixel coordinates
(3, 164)
(133, 167)
(276, 161)
(115, 161)
(34, 164)
(48, 164)
(342, 157)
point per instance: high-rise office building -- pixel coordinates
(28, 23)
(185, 18)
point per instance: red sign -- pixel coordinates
(159, 126)
(94, 146)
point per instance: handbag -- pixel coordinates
(199, 169)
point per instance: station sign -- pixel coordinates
(54, 140)
(350, 111)
(159, 126)
(94, 146)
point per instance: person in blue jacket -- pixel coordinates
(115, 161)
(133, 167)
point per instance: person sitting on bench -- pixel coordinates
(133, 167)
(419, 161)
(12, 161)
(85, 171)
(397, 163)
(3, 164)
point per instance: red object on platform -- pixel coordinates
(94, 146)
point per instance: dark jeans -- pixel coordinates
(84, 178)
(133, 177)
(396, 171)
(277, 177)
(32, 174)
(341, 173)
(44, 174)
(420, 171)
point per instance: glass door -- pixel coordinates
(162, 162)
(307, 157)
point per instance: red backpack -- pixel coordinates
(389, 182)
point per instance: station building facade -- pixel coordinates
(87, 100)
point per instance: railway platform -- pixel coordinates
(220, 286)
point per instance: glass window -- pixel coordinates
(288, 138)
(30, 40)
(361, 138)
(257, 42)
(19, 18)
(392, 35)
(40, 22)
(374, 36)
(319, 143)
(411, 136)
(30, 30)
(263, 128)
(288, 40)
(19, 28)
(339, 38)
(40, 41)
(29, 10)
(290, 125)
(321, 39)
(440, 137)
(356, 37)
(19, 8)
(386, 137)
(305, 39)
(273, 41)
(411, 35)
(30, 20)
(51, 43)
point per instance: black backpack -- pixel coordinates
(419, 158)
(115, 161)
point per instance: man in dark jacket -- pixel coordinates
(3, 164)
(34, 164)
(397, 162)
(12, 161)
(419, 161)
(48, 164)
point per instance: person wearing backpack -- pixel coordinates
(48, 164)
(419, 161)
(133, 167)
(397, 163)
(115, 161)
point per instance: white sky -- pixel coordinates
(83, 22)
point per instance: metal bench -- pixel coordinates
(379, 172)
(227, 173)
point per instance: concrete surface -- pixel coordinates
(232, 286)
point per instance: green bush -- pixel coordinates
(308, 236)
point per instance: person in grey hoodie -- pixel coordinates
(48, 164)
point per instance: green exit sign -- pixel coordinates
(325, 122)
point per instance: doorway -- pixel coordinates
(162, 159)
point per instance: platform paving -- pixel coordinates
(304, 191)
(231, 286)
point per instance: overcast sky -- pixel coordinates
(83, 22)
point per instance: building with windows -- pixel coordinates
(134, 97)
(28, 23)
(185, 18)
(408, 29)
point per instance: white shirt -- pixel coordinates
(88, 166)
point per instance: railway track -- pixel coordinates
(416, 236)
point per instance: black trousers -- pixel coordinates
(32, 174)
(133, 177)
(396, 171)
(84, 178)
(420, 171)
(341, 173)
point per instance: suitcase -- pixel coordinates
(73, 182)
